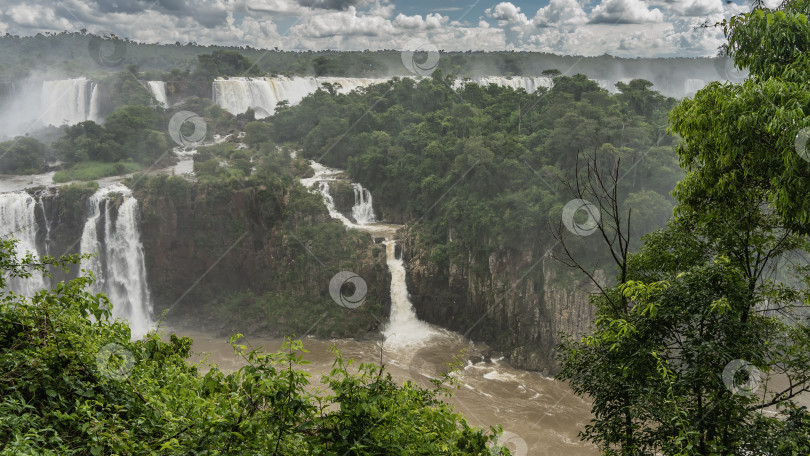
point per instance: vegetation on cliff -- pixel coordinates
(73, 383)
(283, 247)
(702, 346)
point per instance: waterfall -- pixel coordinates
(41, 206)
(403, 327)
(158, 89)
(691, 86)
(118, 264)
(18, 219)
(236, 95)
(69, 101)
(528, 83)
(363, 210)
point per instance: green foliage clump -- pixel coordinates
(23, 155)
(486, 163)
(702, 347)
(74, 383)
(93, 170)
(136, 133)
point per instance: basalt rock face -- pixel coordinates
(518, 302)
(250, 260)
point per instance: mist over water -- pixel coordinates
(34, 103)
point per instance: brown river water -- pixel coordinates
(539, 415)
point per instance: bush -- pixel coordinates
(73, 384)
(92, 170)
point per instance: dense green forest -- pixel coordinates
(700, 345)
(488, 164)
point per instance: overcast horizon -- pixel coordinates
(622, 28)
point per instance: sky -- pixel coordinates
(624, 28)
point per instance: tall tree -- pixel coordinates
(707, 352)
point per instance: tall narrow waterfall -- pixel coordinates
(111, 232)
(403, 327)
(18, 219)
(69, 101)
(158, 89)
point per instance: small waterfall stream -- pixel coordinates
(403, 328)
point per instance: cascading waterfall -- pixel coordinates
(18, 219)
(403, 328)
(47, 223)
(363, 210)
(236, 95)
(158, 89)
(118, 265)
(691, 86)
(69, 101)
(528, 83)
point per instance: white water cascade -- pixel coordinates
(119, 266)
(18, 219)
(403, 328)
(528, 83)
(158, 90)
(691, 86)
(69, 101)
(363, 209)
(236, 95)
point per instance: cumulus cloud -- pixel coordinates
(624, 12)
(506, 12)
(560, 12)
(573, 27)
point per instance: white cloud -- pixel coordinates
(506, 12)
(624, 12)
(560, 12)
(618, 27)
(430, 22)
